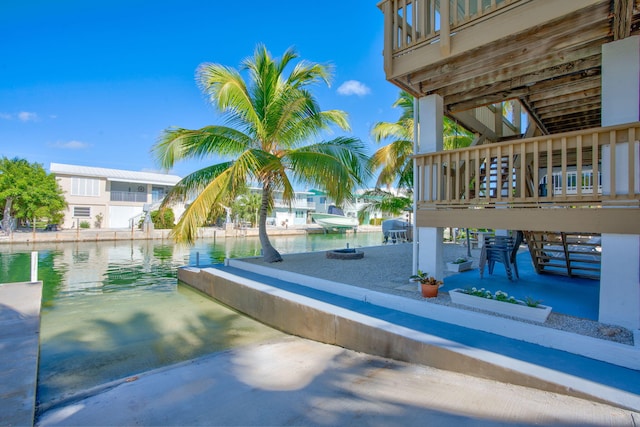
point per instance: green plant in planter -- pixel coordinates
(483, 293)
(460, 260)
(532, 302)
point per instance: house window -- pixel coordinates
(82, 211)
(157, 194)
(299, 214)
(85, 187)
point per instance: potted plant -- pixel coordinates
(460, 264)
(429, 285)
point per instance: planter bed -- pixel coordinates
(458, 267)
(520, 310)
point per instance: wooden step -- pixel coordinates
(567, 254)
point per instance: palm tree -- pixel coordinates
(379, 200)
(270, 116)
(455, 136)
(247, 207)
(394, 160)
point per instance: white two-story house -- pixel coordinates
(110, 198)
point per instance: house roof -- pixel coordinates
(114, 174)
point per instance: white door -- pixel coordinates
(119, 216)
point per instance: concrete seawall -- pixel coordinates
(97, 235)
(309, 318)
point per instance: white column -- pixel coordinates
(619, 284)
(621, 81)
(620, 273)
(428, 247)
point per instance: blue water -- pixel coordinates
(115, 309)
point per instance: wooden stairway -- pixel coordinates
(567, 254)
(495, 178)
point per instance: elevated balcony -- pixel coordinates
(583, 181)
(302, 204)
(544, 53)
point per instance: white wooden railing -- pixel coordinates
(409, 23)
(515, 173)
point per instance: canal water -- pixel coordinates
(114, 309)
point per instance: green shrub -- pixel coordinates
(85, 224)
(163, 219)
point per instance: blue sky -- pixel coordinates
(95, 82)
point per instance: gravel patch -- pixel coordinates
(387, 268)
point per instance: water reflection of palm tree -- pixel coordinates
(271, 117)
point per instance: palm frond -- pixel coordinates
(338, 166)
(180, 144)
(386, 202)
(228, 92)
(210, 197)
(386, 130)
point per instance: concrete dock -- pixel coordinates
(19, 349)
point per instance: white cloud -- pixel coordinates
(71, 145)
(23, 116)
(353, 87)
(26, 116)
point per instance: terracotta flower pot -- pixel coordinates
(429, 291)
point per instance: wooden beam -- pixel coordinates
(539, 45)
(469, 121)
(551, 101)
(570, 84)
(445, 29)
(533, 116)
(462, 96)
(523, 75)
(585, 105)
(602, 220)
(388, 39)
(622, 18)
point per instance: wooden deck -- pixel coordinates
(546, 54)
(558, 182)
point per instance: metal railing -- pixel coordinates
(515, 173)
(295, 204)
(128, 196)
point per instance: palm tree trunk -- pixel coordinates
(269, 253)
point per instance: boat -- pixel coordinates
(334, 219)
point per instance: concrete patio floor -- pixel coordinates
(572, 296)
(387, 269)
